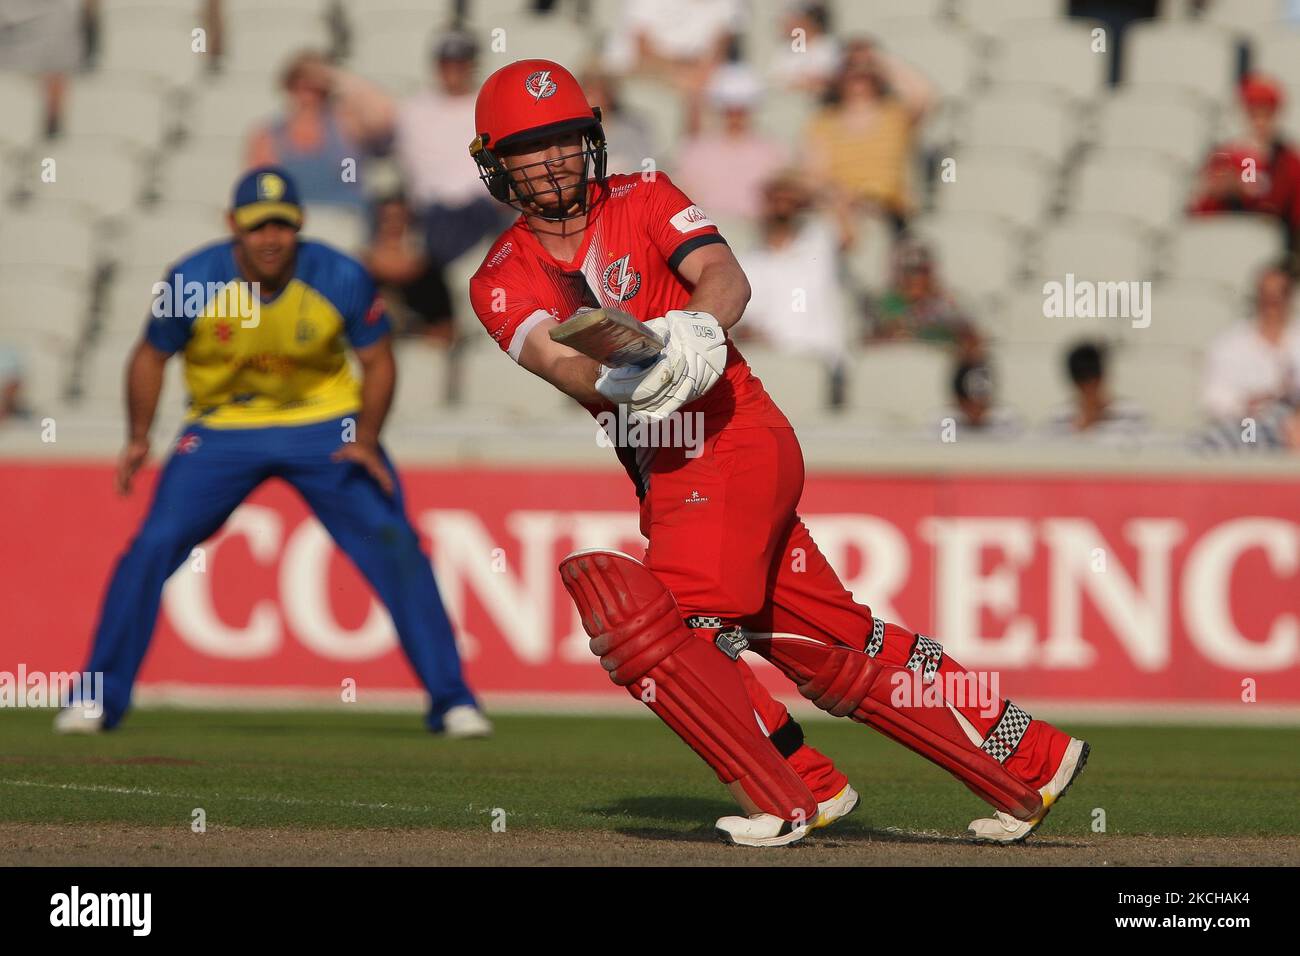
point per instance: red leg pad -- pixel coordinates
(848, 683)
(637, 632)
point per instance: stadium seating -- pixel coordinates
(800, 384)
(992, 17)
(343, 227)
(947, 56)
(1188, 313)
(21, 106)
(1165, 120)
(1163, 380)
(1018, 319)
(29, 239)
(1226, 249)
(92, 179)
(1198, 57)
(1092, 248)
(489, 385)
(1138, 185)
(423, 372)
(1031, 378)
(976, 254)
(1003, 183)
(853, 17)
(1052, 54)
(159, 238)
(899, 381)
(130, 110)
(1037, 122)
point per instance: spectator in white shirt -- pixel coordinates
(808, 57)
(1255, 362)
(796, 304)
(441, 182)
(724, 169)
(678, 41)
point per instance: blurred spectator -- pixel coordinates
(331, 117)
(974, 394)
(796, 304)
(808, 56)
(434, 128)
(917, 307)
(677, 41)
(628, 133)
(413, 288)
(11, 385)
(43, 38)
(1256, 362)
(1094, 411)
(1275, 428)
(724, 169)
(1260, 172)
(864, 140)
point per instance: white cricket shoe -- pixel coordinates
(837, 807)
(1004, 828)
(463, 722)
(760, 829)
(79, 719)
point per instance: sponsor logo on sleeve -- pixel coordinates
(691, 218)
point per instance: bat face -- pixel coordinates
(610, 336)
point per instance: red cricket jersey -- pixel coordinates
(636, 236)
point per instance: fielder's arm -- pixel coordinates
(378, 380)
(721, 288)
(144, 382)
(568, 370)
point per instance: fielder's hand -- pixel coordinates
(129, 462)
(368, 457)
(691, 363)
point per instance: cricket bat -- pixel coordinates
(610, 336)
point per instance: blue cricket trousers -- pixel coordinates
(211, 472)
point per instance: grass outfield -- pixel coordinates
(624, 777)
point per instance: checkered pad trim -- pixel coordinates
(926, 654)
(1006, 735)
(704, 620)
(877, 637)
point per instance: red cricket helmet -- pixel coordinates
(534, 100)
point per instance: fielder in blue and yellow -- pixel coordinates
(263, 322)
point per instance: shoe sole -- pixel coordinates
(785, 839)
(1078, 769)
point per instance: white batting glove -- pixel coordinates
(693, 359)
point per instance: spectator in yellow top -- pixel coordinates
(863, 141)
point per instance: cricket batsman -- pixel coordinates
(271, 396)
(729, 563)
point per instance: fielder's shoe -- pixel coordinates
(837, 807)
(463, 722)
(760, 829)
(79, 719)
(1004, 828)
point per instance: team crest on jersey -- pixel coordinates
(304, 332)
(621, 280)
(540, 85)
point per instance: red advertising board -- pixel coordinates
(1100, 590)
